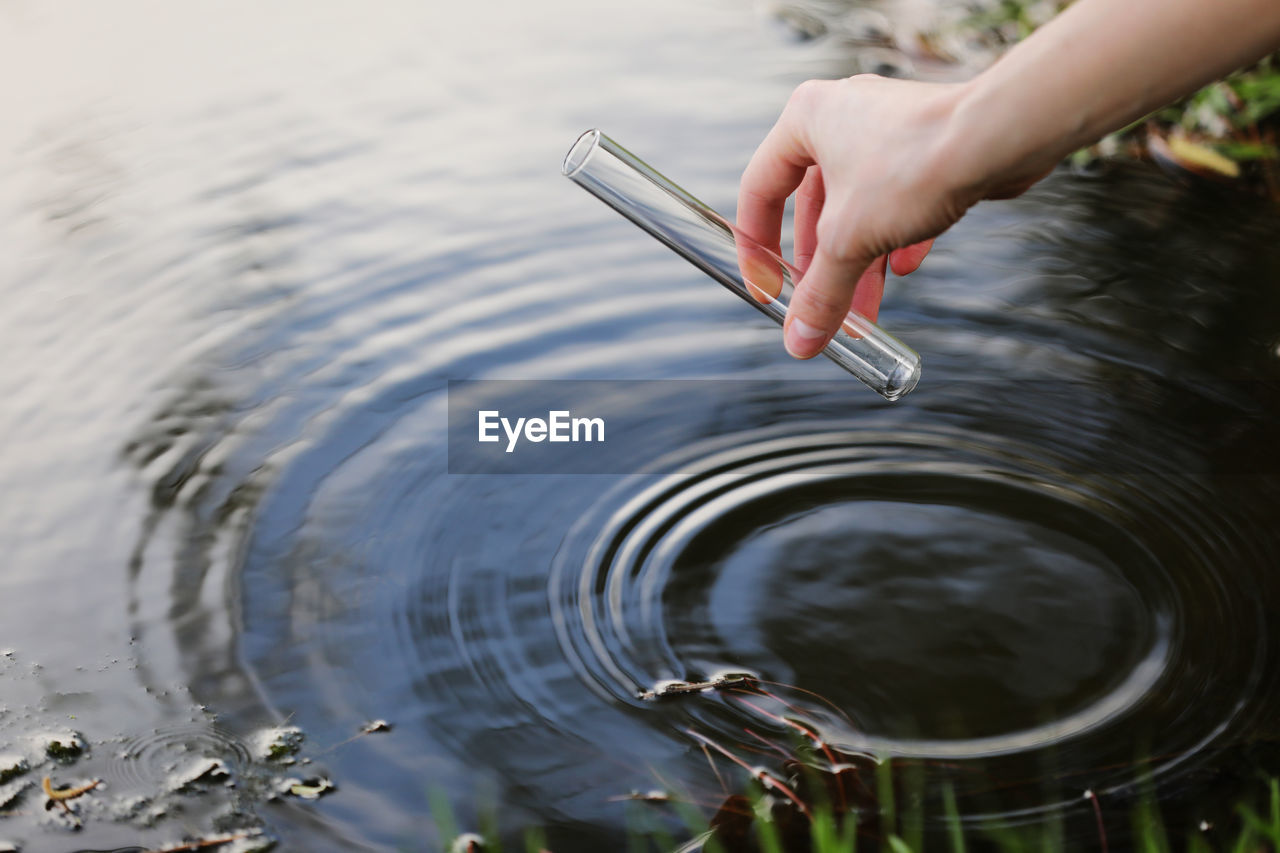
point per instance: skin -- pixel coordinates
(880, 167)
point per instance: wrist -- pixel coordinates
(994, 141)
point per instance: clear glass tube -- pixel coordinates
(714, 245)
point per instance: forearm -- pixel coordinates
(1098, 66)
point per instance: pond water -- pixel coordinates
(246, 250)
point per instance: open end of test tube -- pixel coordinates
(580, 153)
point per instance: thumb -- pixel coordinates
(821, 300)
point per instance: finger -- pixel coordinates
(775, 171)
(907, 260)
(809, 199)
(820, 302)
(869, 289)
(761, 270)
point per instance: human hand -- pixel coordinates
(876, 177)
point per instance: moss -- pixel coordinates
(64, 747)
(11, 767)
(279, 744)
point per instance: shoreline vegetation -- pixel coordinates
(763, 820)
(1227, 133)
(822, 799)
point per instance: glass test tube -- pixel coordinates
(711, 243)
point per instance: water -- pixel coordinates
(245, 252)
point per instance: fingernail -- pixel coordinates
(803, 340)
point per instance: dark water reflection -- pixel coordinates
(233, 299)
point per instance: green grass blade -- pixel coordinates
(767, 834)
(442, 814)
(912, 811)
(1275, 812)
(955, 831)
(897, 845)
(884, 791)
(535, 840)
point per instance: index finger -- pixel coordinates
(775, 171)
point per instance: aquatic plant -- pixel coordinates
(12, 766)
(811, 797)
(64, 747)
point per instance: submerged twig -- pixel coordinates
(797, 689)
(786, 756)
(716, 770)
(1097, 813)
(760, 775)
(663, 689)
(809, 733)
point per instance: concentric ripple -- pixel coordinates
(1029, 587)
(925, 594)
(148, 762)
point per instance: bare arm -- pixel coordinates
(1101, 65)
(880, 167)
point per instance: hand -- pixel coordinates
(876, 179)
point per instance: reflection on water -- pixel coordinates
(247, 254)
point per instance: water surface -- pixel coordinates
(246, 252)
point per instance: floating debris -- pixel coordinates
(12, 766)
(375, 727)
(138, 808)
(369, 728)
(677, 687)
(204, 771)
(654, 796)
(309, 789)
(468, 842)
(245, 842)
(63, 795)
(279, 744)
(9, 794)
(64, 747)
